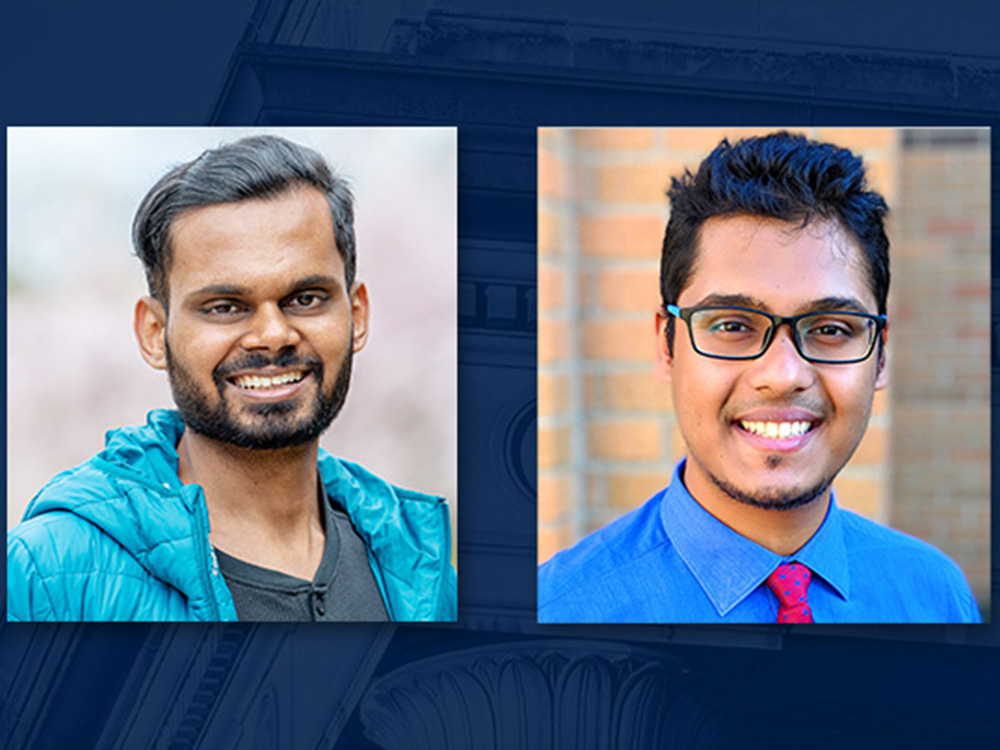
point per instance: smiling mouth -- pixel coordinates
(262, 382)
(777, 430)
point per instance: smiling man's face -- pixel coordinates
(261, 327)
(771, 432)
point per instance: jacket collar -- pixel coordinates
(131, 491)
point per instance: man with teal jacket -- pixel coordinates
(228, 508)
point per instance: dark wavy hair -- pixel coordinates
(782, 176)
(263, 166)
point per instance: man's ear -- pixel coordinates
(664, 360)
(882, 352)
(150, 327)
(359, 315)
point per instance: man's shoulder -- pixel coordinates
(86, 482)
(375, 505)
(350, 478)
(50, 540)
(408, 535)
(610, 553)
(57, 561)
(922, 577)
(879, 547)
(134, 456)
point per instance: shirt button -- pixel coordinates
(320, 609)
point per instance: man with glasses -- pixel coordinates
(774, 278)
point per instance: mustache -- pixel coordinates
(256, 360)
(819, 407)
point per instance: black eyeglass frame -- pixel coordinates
(685, 313)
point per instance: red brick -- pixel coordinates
(622, 236)
(627, 440)
(946, 226)
(549, 138)
(549, 236)
(593, 392)
(549, 175)
(636, 391)
(550, 541)
(553, 394)
(706, 139)
(622, 340)
(553, 341)
(969, 289)
(628, 491)
(863, 496)
(630, 289)
(635, 183)
(859, 139)
(551, 287)
(882, 179)
(553, 498)
(624, 139)
(553, 447)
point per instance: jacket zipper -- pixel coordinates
(203, 559)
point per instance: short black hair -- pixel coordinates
(262, 166)
(782, 176)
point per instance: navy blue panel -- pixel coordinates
(496, 677)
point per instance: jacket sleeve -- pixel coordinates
(448, 606)
(27, 598)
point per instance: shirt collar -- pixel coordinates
(727, 565)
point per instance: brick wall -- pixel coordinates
(941, 395)
(607, 433)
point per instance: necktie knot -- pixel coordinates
(790, 583)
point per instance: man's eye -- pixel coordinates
(730, 326)
(219, 309)
(832, 330)
(306, 301)
(829, 330)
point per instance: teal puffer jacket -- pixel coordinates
(120, 538)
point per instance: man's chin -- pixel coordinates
(260, 437)
(265, 426)
(777, 498)
(259, 423)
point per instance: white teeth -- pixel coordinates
(779, 430)
(255, 382)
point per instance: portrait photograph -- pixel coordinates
(763, 375)
(232, 386)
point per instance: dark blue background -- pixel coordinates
(496, 679)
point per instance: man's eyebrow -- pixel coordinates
(315, 280)
(852, 304)
(220, 290)
(236, 290)
(727, 300)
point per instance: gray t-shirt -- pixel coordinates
(343, 589)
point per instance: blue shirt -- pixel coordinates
(671, 561)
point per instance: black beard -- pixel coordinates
(775, 500)
(276, 428)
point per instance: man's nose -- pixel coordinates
(781, 368)
(271, 329)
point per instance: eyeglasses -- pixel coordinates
(826, 337)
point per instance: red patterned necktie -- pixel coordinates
(790, 582)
